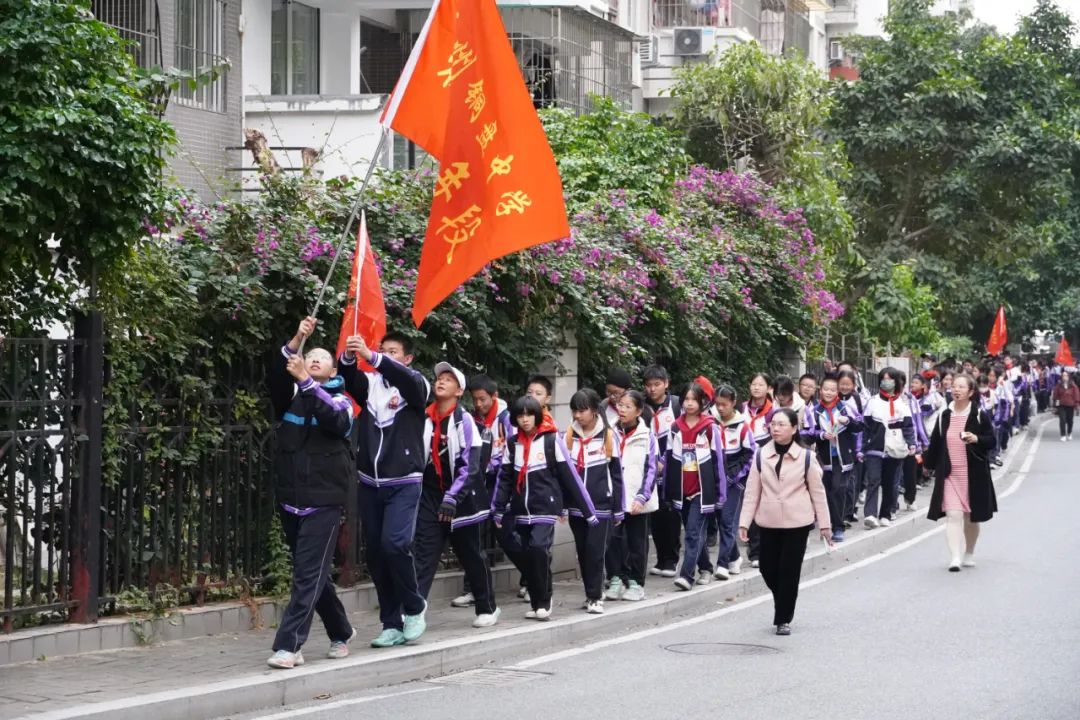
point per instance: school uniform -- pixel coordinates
(888, 438)
(611, 412)
(737, 446)
(628, 551)
(1002, 414)
(595, 455)
(666, 521)
(1021, 387)
(908, 479)
(836, 456)
(454, 485)
(390, 465)
(695, 482)
(311, 485)
(854, 404)
(988, 403)
(537, 482)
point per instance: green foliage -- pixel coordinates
(899, 312)
(80, 152)
(752, 109)
(277, 573)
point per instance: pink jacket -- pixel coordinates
(788, 502)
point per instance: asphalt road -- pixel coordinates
(896, 637)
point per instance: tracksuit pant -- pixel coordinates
(592, 546)
(628, 550)
(881, 478)
(836, 483)
(1065, 420)
(388, 522)
(909, 474)
(729, 526)
(1025, 411)
(694, 558)
(430, 541)
(782, 551)
(529, 548)
(311, 539)
(851, 494)
(666, 531)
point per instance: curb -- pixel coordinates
(411, 663)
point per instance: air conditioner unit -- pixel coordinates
(694, 41)
(836, 50)
(649, 50)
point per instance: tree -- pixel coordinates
(80, 155)
(750, 109)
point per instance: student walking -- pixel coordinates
(738, 447)
(311, 485)
(830, 430)
(888, 438)
(963, 491)
(390, 463)
(848, 386)
(594, 452)
(785, 497)
(1066, 397)
(666, 523)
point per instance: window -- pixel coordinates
(294, 48)
(200, 45)
(836, 50)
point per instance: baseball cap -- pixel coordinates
(445, 367)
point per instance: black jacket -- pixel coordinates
(393, 399)
(549, 487)
(313, 461)
(462, 483)
(981, 496)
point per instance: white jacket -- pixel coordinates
(640, 451)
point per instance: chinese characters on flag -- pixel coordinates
(999, 335)
(462, 98)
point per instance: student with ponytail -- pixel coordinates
(889, 437)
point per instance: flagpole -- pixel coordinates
(348, 226)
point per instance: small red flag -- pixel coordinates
(365, 313)
(1064, 355)
(999, 336)
(462, 98)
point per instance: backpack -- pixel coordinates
(549, 451)
(609, 447)
(806, 467)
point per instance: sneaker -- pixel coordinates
(595, 607)
(871, 522)
(754, 563)
(523, 594)
(969, 560)
(998, 462)
(1070, 436)
(415, 625)
(704, 577)
(848, 524)
(655, 571)
(487, 619)
(954, 566)
(615, 589)
(634, 592)
(340, 649)
(735, 567)
(837, 536)
(531, 615)
(783, 629)
(389, 638)
(668, 572)
(285, 660)
(463, 601)
(1063, 438)
(910, 507)
(722, 573)
(543, 614)
(682, 583)
(884, 521)
(862, 497)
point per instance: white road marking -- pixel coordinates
(342, 703)
(642, 634)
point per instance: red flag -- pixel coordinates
(462, 98)
(1064, 355)
(365, 314)
(999, 336)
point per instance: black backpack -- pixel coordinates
(806, 467)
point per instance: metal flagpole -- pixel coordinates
(348, 226)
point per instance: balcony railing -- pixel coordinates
(744, 14)
(138, 22)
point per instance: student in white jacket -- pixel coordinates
(628, 550)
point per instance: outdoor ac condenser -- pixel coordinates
(694, 41)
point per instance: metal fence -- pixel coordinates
(852, 348)
(744, 14)
(138, 22)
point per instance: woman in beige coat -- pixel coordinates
(784, 496)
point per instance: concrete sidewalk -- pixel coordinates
(218, 675)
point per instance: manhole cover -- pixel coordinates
(489, 677)
(721, 649)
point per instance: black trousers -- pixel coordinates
(1065, 420)
(1025, 411)
(529, 548)
(667, 537)
(1042, 400)
(592, 545)
(628, 550)
(835, 481)
(430, 542)
(911, 478)
(311, 540)
(782, 552)
(753, 549)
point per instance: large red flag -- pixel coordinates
(999, 336)
(1064, 355)
(365, 313)
(463, 99)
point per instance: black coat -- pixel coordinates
(981, 496)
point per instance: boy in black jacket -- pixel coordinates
(391, 464)
(313, 475)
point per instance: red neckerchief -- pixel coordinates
(582, 447)
(755, 415)
(892, 401)
(656, 415)
(829, 407)
(547, 426)
(626, 436)
(492, 416)
(436, 437)
(918, 394)
(689, 434)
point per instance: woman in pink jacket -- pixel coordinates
(784, 496)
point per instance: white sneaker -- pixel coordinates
(487, 619)
(543, 613)
(871, 522)
(1063, 438)
(884, 521)
(595, 607)
(634, 592)
(655, 571)
(735, 567)
(523, 593)
(615, 589)
(682, 583)
(704, 577)
(755, 564)
(1070, 436)
(531, 615)
(969, 560)
(910, 507)
(722, 573)
(463, 601)
(285, 660)
(668, 573)
(862, 498)
(339, 649)
(954, 565)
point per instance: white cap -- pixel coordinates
(445, 367)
